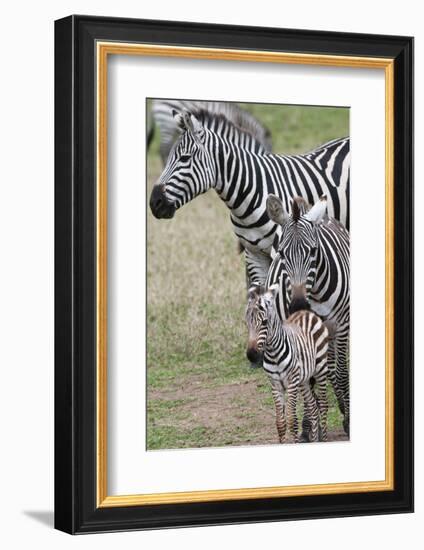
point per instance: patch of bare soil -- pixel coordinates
(237, 413)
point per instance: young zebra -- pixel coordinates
(162, 116)
(225, 159)
(293, 351)
(311, 267)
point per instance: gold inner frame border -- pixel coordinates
(103, 50)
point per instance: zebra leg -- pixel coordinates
(332, 375)
(342, 376)
(322, 401)
(291, 417)
(306, 421)
(248, 281)
(257, 265)
(311, 410)
(278, 396)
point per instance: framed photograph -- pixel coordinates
(234, 274)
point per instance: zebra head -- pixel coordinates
(258, 310)
(189, 171)
(298, 247)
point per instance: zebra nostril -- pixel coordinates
(157, 202)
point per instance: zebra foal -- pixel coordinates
(293, 352)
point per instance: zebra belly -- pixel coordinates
(255, 241)
(281, 372)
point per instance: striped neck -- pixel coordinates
(237, 173)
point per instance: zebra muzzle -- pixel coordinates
(299, 304)
(160, 206)
(254, 355)
(299, 300)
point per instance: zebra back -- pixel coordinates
(234, 163)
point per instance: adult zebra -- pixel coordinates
(221, 156)
(293, 351)
(311, 267)
(161, 116)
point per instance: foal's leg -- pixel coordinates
(306, 421)
(311, 410)
(278, 396)
(291, 417)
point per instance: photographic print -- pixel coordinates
(211, 313)
(248, 270)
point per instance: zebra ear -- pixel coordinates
(179, 119)
(275, 209)
(317, 212)
(196, 128)
(187, 121)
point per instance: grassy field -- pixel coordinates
(201, 391)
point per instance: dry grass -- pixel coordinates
(201, 391)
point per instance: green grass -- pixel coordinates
(297, 129)
(201, 391)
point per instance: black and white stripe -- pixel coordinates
(294, 352)
(312, 270)
(162, 117)
(225, 158)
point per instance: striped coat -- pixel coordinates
(311, 268)
(225, 159)
(293, 351)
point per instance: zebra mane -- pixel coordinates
(299, 208)
(232, 119)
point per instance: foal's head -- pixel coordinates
(259, 307)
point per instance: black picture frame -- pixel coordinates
(76, 510)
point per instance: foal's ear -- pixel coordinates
(187, 121)
(275, 209)
(254, 291)
(317, 212)
(272, 292)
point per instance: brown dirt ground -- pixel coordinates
(237, 411)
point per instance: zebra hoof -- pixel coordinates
(304, 437)
(346, 426)
(306, 430)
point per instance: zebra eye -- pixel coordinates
(185, 158)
